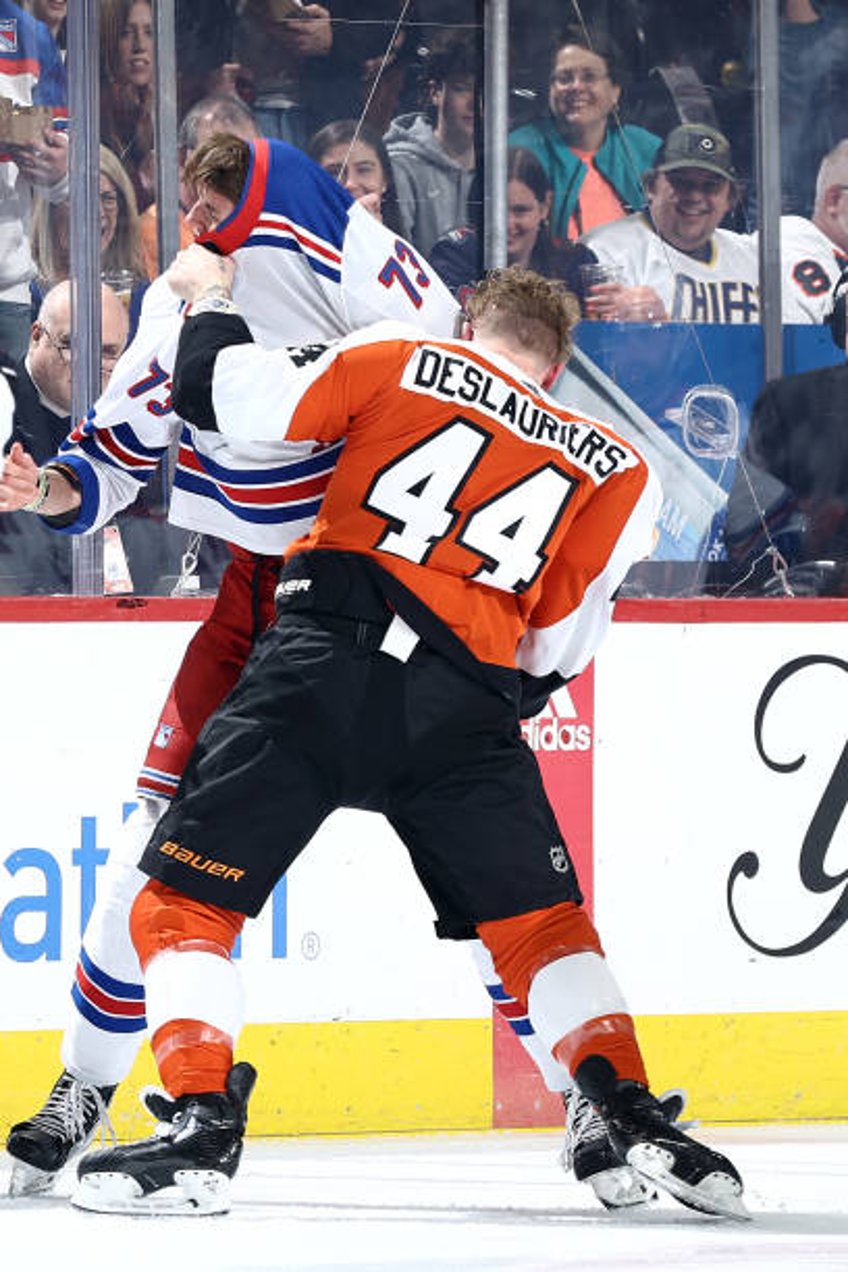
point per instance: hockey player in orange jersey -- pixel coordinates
(311, 267)
(472, 528)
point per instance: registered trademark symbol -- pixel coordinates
(310, 945)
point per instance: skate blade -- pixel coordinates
(716, 1194)
(30, 1181)
(194, 1192)
(620, 1188)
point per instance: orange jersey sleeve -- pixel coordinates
(507, 515)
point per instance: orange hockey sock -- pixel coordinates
(520, 945)
(192, 1055)
(563, 942)
(163, 918)
(612, 1036)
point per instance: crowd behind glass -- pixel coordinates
(630, 176)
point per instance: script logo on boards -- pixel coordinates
(557, 726)
(820, 849)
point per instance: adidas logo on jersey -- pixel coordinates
(556, 728)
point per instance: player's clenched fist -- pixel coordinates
(195, 271)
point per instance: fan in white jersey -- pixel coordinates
(676, 263)
(814, 253)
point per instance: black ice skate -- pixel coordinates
(588, 1152)
(640, 1130)
(60, 1130)
(185, 1168)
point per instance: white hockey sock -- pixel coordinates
(570, 991)
(192, 984)
(106, 1024)
(555, 1076)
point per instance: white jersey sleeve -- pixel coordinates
(116, 448)
(811, 265)
(566, 642)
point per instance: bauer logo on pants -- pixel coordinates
(197, 861)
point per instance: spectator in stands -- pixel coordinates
(455, 256)
(204, 36)
(32, 558)
(791, 486)
(814, 252)
(432, 151)
(676, 263)
(128, 76)
(218, 113)
(120, 243)
(33, 75)
(300, 66)
(813, 73)
(282, 49)
(42, 379)
(53, 13)
(357, 157)
(594, 163)
(372, 57)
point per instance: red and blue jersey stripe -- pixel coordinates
(275, 495)
(112, 1005)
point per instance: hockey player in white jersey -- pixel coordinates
(311, 266)
(676, 263)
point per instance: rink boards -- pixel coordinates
(701, 774)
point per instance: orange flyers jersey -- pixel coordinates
(512, 518)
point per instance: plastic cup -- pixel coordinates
(121, 282)
(591, 276)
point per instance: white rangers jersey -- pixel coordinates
(311, 266)
(723, 288)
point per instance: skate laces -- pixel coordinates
(73, 1110)
(583, 1124)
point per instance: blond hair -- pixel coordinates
(50, 233)
(536, 314)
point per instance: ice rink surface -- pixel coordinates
(458, 1203)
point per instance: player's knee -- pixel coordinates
(525, 943)
(164, 919)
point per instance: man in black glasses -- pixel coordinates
(35, 410)
(41, 381)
